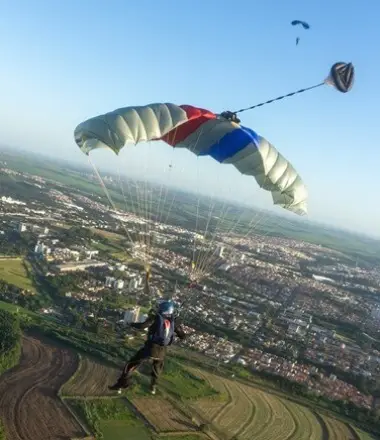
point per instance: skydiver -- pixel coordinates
(162, 327)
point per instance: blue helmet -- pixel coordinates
(166, 308)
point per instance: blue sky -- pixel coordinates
(62, 62)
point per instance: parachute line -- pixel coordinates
(279, 98)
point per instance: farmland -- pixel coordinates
(162, 415)
(251, 413)
(29, 407)
(13, 271)
(232, 411)
(110, 418)
(238, 411)
(91, 379)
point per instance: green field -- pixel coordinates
(12, 271)
(110, 419)
(14, 308)
(363, 435)
(182, 382)
(121, 430)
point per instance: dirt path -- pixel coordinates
(29, 406)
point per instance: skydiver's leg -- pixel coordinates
(157, 368)
(124, 380)
(158, 357)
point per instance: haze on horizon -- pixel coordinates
(66, 62)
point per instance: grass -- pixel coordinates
(13, 271)
(111, 415)
(2, 431)
(363, 435)
(122, 256)
(122, 430)
(104, 247)
(111, 236)
(183, 383)
(14, 308)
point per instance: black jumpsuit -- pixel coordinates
(148, 351)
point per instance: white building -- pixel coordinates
(90, 254)
(118, 284)
(132, 315)
(21, 227)
(41, 249)
(133, 284)
(110, 281)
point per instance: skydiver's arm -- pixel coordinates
(178, 329)
(141, 325)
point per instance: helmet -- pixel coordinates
(166, 308)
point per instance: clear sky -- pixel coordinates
(65, 61)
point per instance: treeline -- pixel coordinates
(104, 348)
(14, 244)
(14, 294)
(10, 341)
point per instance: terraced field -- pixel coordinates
(239, 412)
(337, 430)
(162, 415)
(91, 379)
(249, 413)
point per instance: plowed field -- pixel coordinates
(29, 406)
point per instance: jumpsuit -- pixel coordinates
(148, 351)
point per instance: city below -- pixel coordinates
(281, 306)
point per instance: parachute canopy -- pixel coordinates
(342, 76)
(302, 23)
(203, 133)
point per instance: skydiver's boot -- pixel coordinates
(122, 383)
(153, 387)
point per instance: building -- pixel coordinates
(110, 281)
(21, 227)
(132, 315)
(41, 250)
(118, 284)
(89, 254)
(134, 283)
